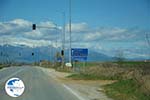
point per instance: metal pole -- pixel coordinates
(64, 30)
(70, 31)
(63, 39)
(3, 62)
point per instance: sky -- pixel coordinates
(105, 26)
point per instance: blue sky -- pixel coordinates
(122, 13)
(106, 25)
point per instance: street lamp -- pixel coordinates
(70, 33)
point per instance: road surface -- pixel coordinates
(38, 85)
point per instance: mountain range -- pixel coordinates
(26, 54)
(22, 53)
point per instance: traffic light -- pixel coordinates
(32, 54)
(34, 26)
(62, 52)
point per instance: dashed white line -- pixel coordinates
(73, 92)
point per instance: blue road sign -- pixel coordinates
(59, 59)
(75, 58)
(79, 54)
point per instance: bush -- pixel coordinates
(126, 90)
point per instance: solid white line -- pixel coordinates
(78, 96)
(4, 79)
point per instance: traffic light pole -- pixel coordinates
(34, 26)
(63, 40)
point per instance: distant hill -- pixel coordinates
(95, 56)
(23, 53)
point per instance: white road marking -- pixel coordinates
(4, 79)
(74, 93)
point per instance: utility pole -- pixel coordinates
(70, 32)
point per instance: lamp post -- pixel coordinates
(63, 30)
(70, 32)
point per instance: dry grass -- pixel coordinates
(140, 72)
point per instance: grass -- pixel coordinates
(1, 66)
(120, 90)
(67, 70)
(4, 65)
(125, 63)
(91, 77)
(125, 90)
(133, 63)
(85, 64)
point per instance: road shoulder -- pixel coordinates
(89, 90)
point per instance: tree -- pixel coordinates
(120, 58)
(148, 40)
(58, 59)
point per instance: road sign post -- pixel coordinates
(79, 54)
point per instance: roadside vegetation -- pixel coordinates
(1, 66)
(127, 89)
(4, 65)
(132, 78)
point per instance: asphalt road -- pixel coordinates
(38, 85)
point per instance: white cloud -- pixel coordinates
(23, 41)
(21, 22)
(15, 27)
(93, 36)
(33, 34)
(47, 24)
(19, 31)
(78, 27)
(28, 42)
